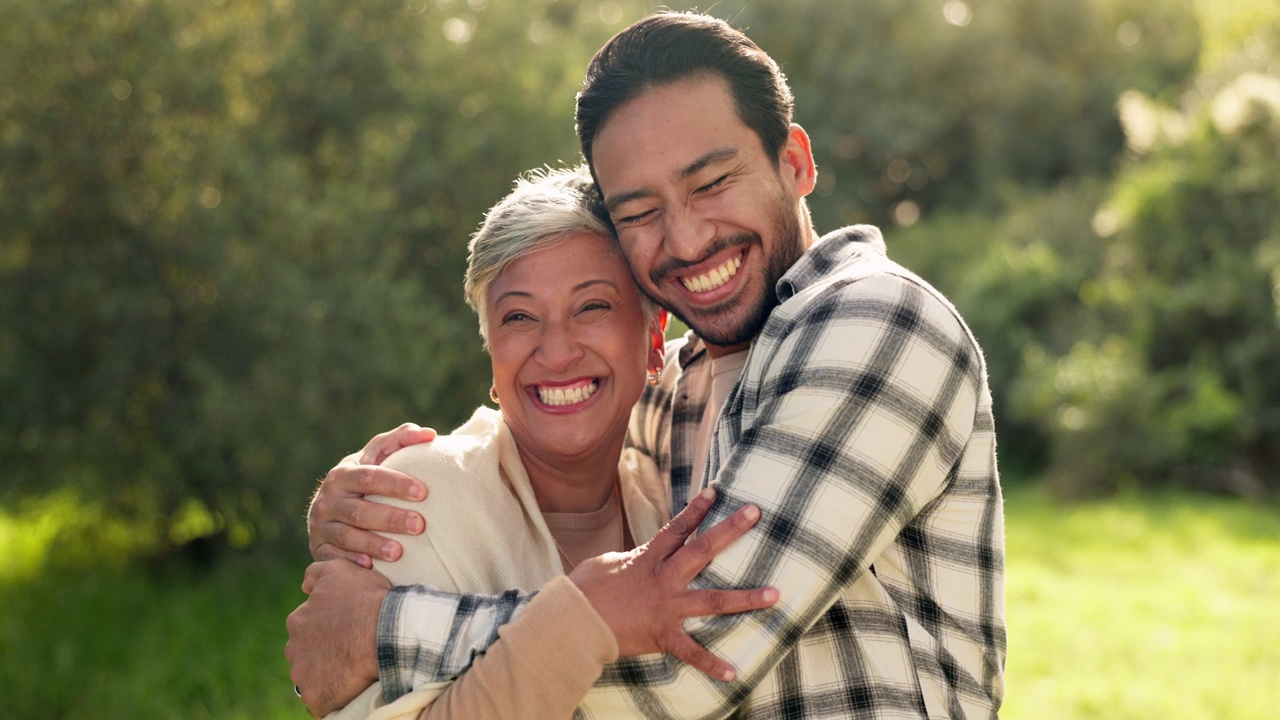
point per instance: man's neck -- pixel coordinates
(719, 351)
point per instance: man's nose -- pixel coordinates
(687, 234)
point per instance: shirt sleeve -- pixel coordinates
(857, 423)
(542, 665)
(428, 636)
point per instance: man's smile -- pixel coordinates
(713, 278)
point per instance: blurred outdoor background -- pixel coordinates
(232, 235)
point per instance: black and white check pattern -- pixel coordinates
(862, 428)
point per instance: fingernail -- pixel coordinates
(707, 494)
(417, 492)
(388, 552)
(727, 675)
(751, 513)
(770, 595)
(414, 524)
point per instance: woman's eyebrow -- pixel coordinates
(512, 294)
(597, 281)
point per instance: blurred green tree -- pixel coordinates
(916, 106)
(1133, 324)
(234, 233)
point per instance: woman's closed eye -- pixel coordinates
(595, 305)
(516, 316)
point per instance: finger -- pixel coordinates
(350, 539)
(689, 560)
(312, 575)
(345, 480)
(329, 551)
(679, 645)
(673, 535)
(383, 444)
(375, 516)
(702, 603)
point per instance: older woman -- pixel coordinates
(521, 496)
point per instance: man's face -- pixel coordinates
(707, 220)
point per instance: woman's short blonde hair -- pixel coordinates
(546, 206)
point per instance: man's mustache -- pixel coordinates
(672, 265)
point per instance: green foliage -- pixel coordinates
(1133, 329)
(1191, 279)
(235, 233)
(945, 105)
(232, 233)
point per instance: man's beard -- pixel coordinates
(787, 249)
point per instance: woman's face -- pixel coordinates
(569, 345)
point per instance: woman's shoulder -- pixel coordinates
(465, 455)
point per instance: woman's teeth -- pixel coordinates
(715, 277)
(567, 396)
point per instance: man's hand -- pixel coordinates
(644, 595)
(343, 525)
(333, 635)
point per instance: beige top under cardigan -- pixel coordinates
(485, 534)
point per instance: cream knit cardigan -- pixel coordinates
(485, 533)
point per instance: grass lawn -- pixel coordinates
(1165, 607)
(1132, 608)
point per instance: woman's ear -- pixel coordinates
(658, 340)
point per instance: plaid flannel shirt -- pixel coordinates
(862, 428)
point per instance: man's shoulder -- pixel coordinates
(851, 278)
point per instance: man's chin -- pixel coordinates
(726, 331)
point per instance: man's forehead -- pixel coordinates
(677, 111)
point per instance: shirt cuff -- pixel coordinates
(395, 667)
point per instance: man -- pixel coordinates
(860, 423)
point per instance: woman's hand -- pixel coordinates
(644, 594)
(343, 525)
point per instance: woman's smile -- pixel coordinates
(568, 396)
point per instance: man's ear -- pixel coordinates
(796, 161)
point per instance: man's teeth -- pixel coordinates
(715, 277)
(567, 396)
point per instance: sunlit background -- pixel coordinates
(232, 235)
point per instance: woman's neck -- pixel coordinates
(578, 484)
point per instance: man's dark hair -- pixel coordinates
(671, 46)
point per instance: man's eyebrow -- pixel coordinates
(719, 155)
(710, 158)
(612, 203)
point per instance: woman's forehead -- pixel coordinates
(565, 265)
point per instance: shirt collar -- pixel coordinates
(830, 252)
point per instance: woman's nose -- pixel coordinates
(559, 348)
